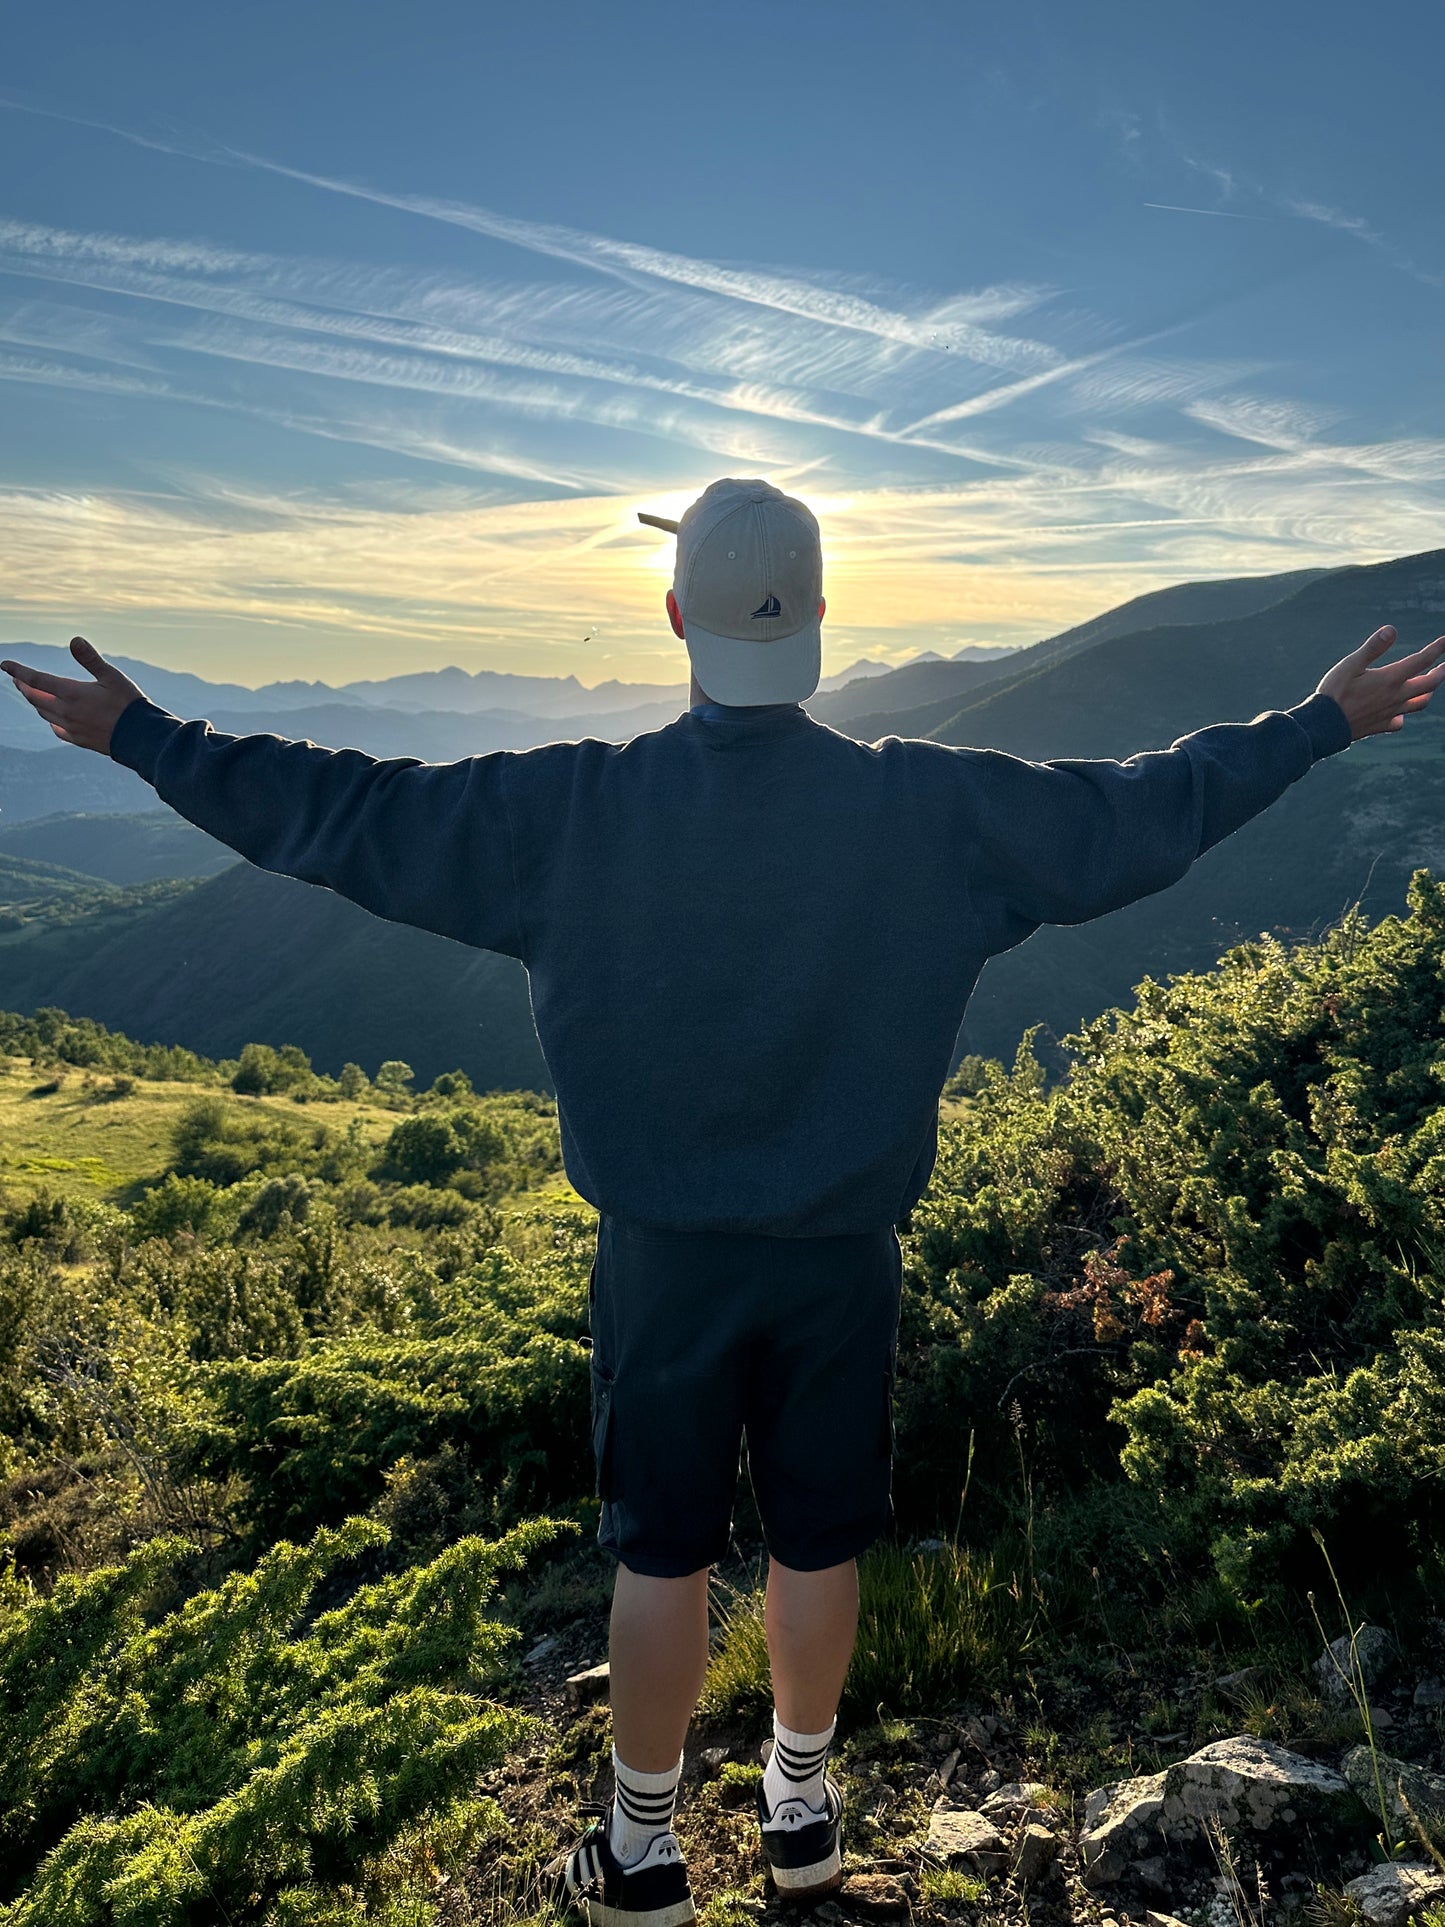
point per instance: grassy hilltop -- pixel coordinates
(296, 1490)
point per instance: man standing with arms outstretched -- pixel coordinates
(750, 942)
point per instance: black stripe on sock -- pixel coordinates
(802, 1752)
(645, 1807)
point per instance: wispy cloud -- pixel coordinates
(955, 324)
(982, 459)
(1359, 229)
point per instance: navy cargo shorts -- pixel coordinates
(702, 1339)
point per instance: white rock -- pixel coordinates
(958, 1838)
(1390, 1894)
(1238, 1782)
(1004, 1803)
(1424, 1790)
(1375, 1653)
(583, 1688)
(1034, 1853)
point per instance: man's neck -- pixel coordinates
(698, 696)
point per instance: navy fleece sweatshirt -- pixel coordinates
(750, 939)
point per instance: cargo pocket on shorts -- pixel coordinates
(602, 1388)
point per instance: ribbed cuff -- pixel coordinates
(140, 733)
(1325, 723)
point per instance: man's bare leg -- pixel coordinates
(812, 1624)
(658, 1656)
(659, 1651)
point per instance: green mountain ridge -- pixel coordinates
(1143, 688)
(134, 846)
(1352, 829)
(247, 956)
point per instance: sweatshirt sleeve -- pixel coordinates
(428, 844)
(1066, 841)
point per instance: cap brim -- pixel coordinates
(658, 522)
(741, 674)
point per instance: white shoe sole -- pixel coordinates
(822, 1877)
(681, 1913)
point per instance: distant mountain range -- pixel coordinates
(237, 955)
(511, 703)
(39, 777)
(444, 714)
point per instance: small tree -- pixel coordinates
(452, 1084)
(423, 1150)
(287, 1197)
(352, 1081)
(257, 1071)
(394, 1076)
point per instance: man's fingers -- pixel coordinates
(36, 678)
(1377, 644)
(1431, 652)
(87, 654)
(37, 697)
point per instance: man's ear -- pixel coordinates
(822, 607)
(675, 616)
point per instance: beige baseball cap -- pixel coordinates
(748, 580)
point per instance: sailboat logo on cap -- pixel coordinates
(771, 608)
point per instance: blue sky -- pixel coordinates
(337, 340)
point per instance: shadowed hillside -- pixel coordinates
(247, 955)
(42, 781)
(120, 848)
(1141, 690)
(1353, 828)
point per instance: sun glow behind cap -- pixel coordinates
(748, 580)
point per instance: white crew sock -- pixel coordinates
(642, 1809)
(795, 1770)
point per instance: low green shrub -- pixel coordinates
(1209, 1264)
(244, 1754)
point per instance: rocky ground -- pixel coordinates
(956, 1817)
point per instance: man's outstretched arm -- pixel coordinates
(1069, 840)
(428, 844)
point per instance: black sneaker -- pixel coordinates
(803, 1847)
(652, 1892)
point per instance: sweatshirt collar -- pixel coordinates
(752, 719)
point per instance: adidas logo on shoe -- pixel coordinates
(803, 1847)
(650, 1892)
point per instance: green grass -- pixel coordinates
(78, 1142)
(932, 1627)
(727, 1910)
(950, 1883)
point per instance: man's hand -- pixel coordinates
(1377, 701)
(83, 713)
